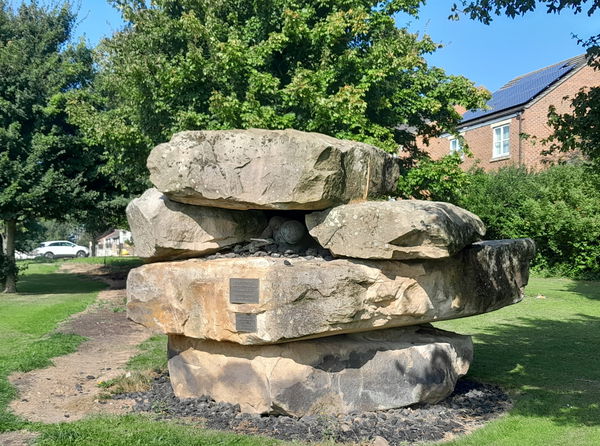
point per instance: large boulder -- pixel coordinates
(261, 300)
(163, 229)
(406, 229)
(269, 169)
(340, 374)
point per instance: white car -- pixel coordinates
(60, 248)
(23, 256)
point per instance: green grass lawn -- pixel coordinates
(543, 351)
(546, 352)
(130, 261)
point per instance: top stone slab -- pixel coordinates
(269, 169)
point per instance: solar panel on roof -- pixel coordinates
(522, 89)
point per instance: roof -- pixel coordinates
(113, 233)
(523, 89)
(108, 234)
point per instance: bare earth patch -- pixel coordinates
(18, 438)
(69, 391)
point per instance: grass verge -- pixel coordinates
(28, 321)
(139, 430)
(116, 262)
(130, 262)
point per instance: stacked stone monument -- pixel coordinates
(284, 286)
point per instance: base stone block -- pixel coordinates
(378, 370)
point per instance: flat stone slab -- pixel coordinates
(263, 300)
(269, 169)
(378, 370)
(166, 230)
(405, 229)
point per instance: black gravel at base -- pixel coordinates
(470, 405)
(239, 251)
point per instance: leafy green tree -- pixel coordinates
(577, 130)
(41, 155)
(339, 67)
(484, 9)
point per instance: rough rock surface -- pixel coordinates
(288, 299)
(163, 229)
(269, 169)
(380, 370)
(405, 229)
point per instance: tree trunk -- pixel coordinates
(10, 285)
(94, 244)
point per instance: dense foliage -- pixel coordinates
(559, 208)
(44, 165)
(339, 67)
(576, 130)
(436, 180)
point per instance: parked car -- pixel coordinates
(60, 248)
(23, 255)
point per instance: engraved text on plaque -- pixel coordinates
(245, 322)
(244, 291)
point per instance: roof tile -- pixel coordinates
(524, 88)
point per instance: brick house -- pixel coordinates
(518, 108)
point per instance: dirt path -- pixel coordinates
(69, 391)
(17, 438)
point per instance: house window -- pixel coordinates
(501, 141)
(455, 146)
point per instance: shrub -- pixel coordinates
(559, 208)
(441, 180)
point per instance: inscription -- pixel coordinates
(245, 322)
(244, 291)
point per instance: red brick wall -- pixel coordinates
(535, 117)
(533, 122)
(480, 141)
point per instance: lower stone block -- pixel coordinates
(376, 370)
(264, 300)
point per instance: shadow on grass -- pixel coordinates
(587, 289)
(52, 283)
(553, 365)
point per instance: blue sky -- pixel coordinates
(491, 55)
(488, 55)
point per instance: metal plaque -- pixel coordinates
(244, 291)
(245, 322)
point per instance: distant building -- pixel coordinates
(115, 243)
(518, 108)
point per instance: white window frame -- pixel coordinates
(457, 146)
(501, 140)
